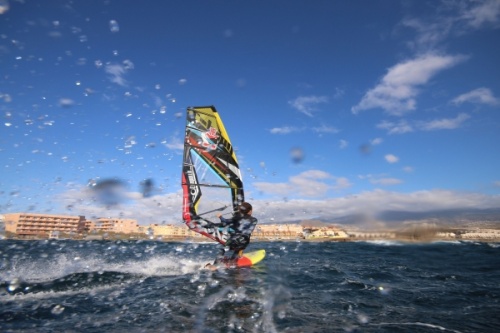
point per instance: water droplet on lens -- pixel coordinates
(365, 149)
(57, 310)
(147, 187)
(66, 102)
(297, 155)
(363, 319)
(4, 6)
(14, 284)
(108, 191)
(113, 26)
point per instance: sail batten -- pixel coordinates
(211, 177)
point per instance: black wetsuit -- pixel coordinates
(240, 228)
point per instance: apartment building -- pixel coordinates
(30, 225)
(174, 231)
(27, 225)
(263, 231)
(278, 231)
(123, 226)
(329, 232)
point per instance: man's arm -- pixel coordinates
(224, 222)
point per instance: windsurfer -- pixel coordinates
(240, 228)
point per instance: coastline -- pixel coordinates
(262, 240)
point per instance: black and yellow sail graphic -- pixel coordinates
(211, 177)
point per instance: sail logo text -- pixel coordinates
(193, 188)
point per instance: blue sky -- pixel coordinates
(335, 107)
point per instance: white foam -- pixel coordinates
(384, 242)
(50, 294)
(65, 264)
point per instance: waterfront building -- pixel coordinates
(278, 231)
(35, 226)
(30, 225)
(123, 226)
(354, 234)
(480, 234)
(330, 232)
(262, 231)
(170, 231)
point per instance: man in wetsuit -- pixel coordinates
(240, 228)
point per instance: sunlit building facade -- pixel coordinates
(262, 231)
(170, 231)
(123, 226)
(30, 225)
(329, 232)
(278, 231)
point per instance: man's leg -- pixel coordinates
(220, 256)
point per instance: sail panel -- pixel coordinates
(211, 177)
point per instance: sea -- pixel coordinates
(154, 286)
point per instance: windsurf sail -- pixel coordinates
(211, 177)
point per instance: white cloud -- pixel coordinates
(166, 208)
(429, 34)
(452, 18)
(342, 183)
(408, 169)
(325, 129)
(479, 95)
(381, 179)
(403, 126)
(376, 141)
(338, 93)
(284, 130)
(445, 123)
(174, 144)
(66, 102)
(397, 91)
(307, 104)
(343, 144)
(371, 203)
(485, 13)
(391, 158)
(292, 129)
(385, 181)
(400, 127)
(311, 183)
(154, 209)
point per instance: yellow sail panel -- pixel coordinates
(209, 117)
